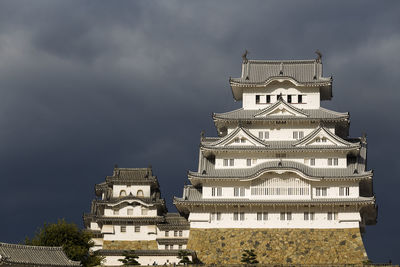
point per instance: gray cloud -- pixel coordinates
(84, 85)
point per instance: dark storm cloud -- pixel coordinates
(88, 84)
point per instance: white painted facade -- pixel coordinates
(238, 182)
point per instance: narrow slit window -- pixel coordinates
(300, 99)
(289, 99)
(268, 98)
(257, 99)
(248, 162)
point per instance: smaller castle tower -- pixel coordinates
(129, 214)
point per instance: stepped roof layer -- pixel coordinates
(34, 256)
(192, 194)
(251, 115)
(299, 72)
(208, 171)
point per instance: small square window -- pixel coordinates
(266, 135)
(261, 135)
(231, 162)
(330, 217)
(123, 229)
(116, 212)
(226, 162)
(219, 191)
(329, 161)
(167, 233)
(144, 211)
(236, 216)
(242, 216)
(248, 161)
(312, 162)
(130, 211)
(306, 216)
(295, 135)
(175, 233)
(289, 216)
(137, 228)
(180, 233)
(259, 216)
(282, 217)
(265, 216)
(180, 247)
(301, 134)
(335, 161)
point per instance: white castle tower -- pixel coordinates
(282, 177)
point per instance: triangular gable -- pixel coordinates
(239, 137)
(281, 108)
(323, 137)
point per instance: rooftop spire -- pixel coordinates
(244, 56)
(319, 56)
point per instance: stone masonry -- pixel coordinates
(279, 246)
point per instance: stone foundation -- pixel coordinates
(279, 246)
(130, 245)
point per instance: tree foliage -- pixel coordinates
(130, 258)
(249, 257)
(184, 256)
(75, 242)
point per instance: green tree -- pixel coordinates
(184, 256)
(130, 258)
(75, 242)
(249, 257)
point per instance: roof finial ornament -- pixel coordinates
(202, 135)
(364, 138)
(244, 56)
(319, 54)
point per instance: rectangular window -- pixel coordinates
(295, 135)
(180, 233)
(212, 216)
(335, 215)
(312, 216)
(257, 99)
(261, 135)
(248, 162)
(259, 216)
(329, 161)
(242, 192)
(171, 247)
(312, 162)
(175, 233)
(301, 134)
(137, 228)
(231, 162)
(280, 155)
(344, 191)
(213, 191)
(166, 233)
(289, 99)
(265, 216)
(321, 191)
(218, 216)
(242, 140)
(254, 161)
(180, 247)
(335, 161)
(130, 211)
(236, 191)
(330, 217)
(144, 211)
(123, 229)
(237, 140)
(242, 216)
(266, 135)
(236, 216)
(116, 212)
(268, 98)
(282, 217)
(219, 191)
(306, 216)
(324, 191)
(226, 162)
(166, 247)
(299, 99)
(289, 216)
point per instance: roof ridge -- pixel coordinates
(2, 244)
(277, 61)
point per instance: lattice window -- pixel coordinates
(278, 186)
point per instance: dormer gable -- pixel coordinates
(239, 137)
(281, 108)
(323, 137)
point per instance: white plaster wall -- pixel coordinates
(131, 189)
(131, 235)
(311, 96)
(94, 226)
(320, 219)
(161, 234)
(137, 211)
(143, 260)
(240, 159)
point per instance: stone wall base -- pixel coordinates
(130, 245)
(279, 246)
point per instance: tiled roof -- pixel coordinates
(208, 170)
(131, 174)
(172, 241)
(161, 252)
(173, 221)
(302, 71)
(312, 114)
(34, 255)
(195, 195)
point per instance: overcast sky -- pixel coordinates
(87, 84)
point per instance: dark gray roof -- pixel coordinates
(131, 174)
(303, 71)
(194, 195)
(173, 221)
(208, 170)
(89, 217)
(172, 241)
(311, 114)
(34, 255)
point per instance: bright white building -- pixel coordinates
(282, 160)
(129, 214)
